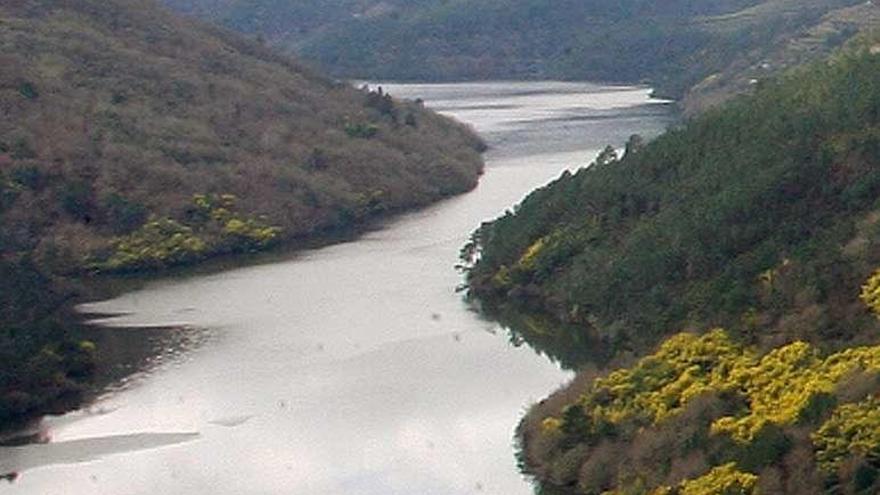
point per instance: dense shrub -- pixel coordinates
(215, 228)
(725, 405)
(361, 130)
(852, 430)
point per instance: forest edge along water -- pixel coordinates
(352, 368)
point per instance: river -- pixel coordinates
(350, 369)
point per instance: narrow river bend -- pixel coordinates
(352, 369)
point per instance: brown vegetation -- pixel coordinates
(115, 111)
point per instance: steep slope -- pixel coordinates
(115, 112)
(704, 415)
(812, 42)
(131, 139)
(673, 45)
(760, 217)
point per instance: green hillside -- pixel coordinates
(135, 140)
(732, 218)
(760, 217)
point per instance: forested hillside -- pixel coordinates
(756, 215)
(133, 140)
(760, 217)
(676, 45)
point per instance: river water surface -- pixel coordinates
(351, 369)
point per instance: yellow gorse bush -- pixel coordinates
(159, 242)
(662, 384)
(852, 429)
(784, 382)
(791, 383)
(527, 260)
(722, 480)
(778, 386)
(217, 228)
(871, 292)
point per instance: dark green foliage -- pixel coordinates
(767, 448)
(744, 209)
(41, 361)
(864, 478)
(28, 90)
(576, 427)
(77, 200)
(819, 407)
(123, 215)
(28, 176)
(361, 130)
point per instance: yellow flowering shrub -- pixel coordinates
(778, 386)
(663, 383)
(852, 429)
(790, 384)
(159, 242)
(214, 228)
(501, 279)
(784, 382)
(871, 292)
(722, 480)
(551, 425)
(527, 260)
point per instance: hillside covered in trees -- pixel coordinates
(133, 140)
(760, 217)
(717, 46)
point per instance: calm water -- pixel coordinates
(352, 369)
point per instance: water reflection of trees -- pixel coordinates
(570, 346)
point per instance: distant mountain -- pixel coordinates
(133, 139)
(675, 45)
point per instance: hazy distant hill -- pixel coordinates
(675, 44)
(132, 139)
(813, 41)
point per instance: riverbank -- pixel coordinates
(357, 347)
(760, 218)
(68, 370)
(168, 143)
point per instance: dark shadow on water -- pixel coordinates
(126, 356)
(569, 346)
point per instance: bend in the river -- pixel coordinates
(354, 368)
